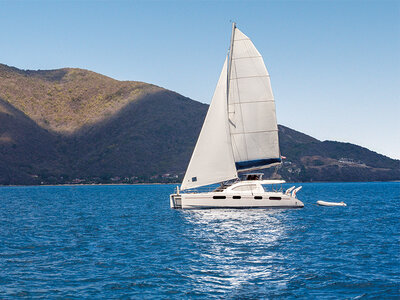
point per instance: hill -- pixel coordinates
(74, 126)
(309, 159)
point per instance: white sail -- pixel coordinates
(251, 105)
(212, 160)
(239, 133)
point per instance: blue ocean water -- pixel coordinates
(125, 242)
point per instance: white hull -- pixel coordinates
(234, 200)
(324, 203)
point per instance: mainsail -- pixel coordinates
(251, 106)
(240, 130)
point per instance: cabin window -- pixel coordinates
(246, 188)
(194, 179)
(219, 197)
(236, 197)
(258, 197)
(275, 198)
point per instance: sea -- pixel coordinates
(125, 242)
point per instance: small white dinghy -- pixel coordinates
(324, 203)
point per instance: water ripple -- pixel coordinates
(125, 242)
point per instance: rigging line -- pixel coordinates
(230, 121)
(228, 89)
(229, 71)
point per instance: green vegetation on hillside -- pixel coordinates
(77, 126)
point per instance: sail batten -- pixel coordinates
(251, 108)
(259, 76)
(248, 132)
(255, 56)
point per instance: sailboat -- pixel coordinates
(238, 137)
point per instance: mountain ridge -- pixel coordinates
(76, 126)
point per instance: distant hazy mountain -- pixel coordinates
(73, 125)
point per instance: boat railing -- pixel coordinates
(221, 188)
(211, 188)
(206, 189)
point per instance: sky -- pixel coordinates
(334, 65)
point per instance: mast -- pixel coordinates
(228, 79)
(230, 61)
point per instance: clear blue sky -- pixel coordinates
(334, 65)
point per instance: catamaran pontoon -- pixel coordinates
(239, 134)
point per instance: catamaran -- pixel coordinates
(239, 134)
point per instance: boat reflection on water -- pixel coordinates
(235, 248)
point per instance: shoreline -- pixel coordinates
(87, 184)
(176, 183)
